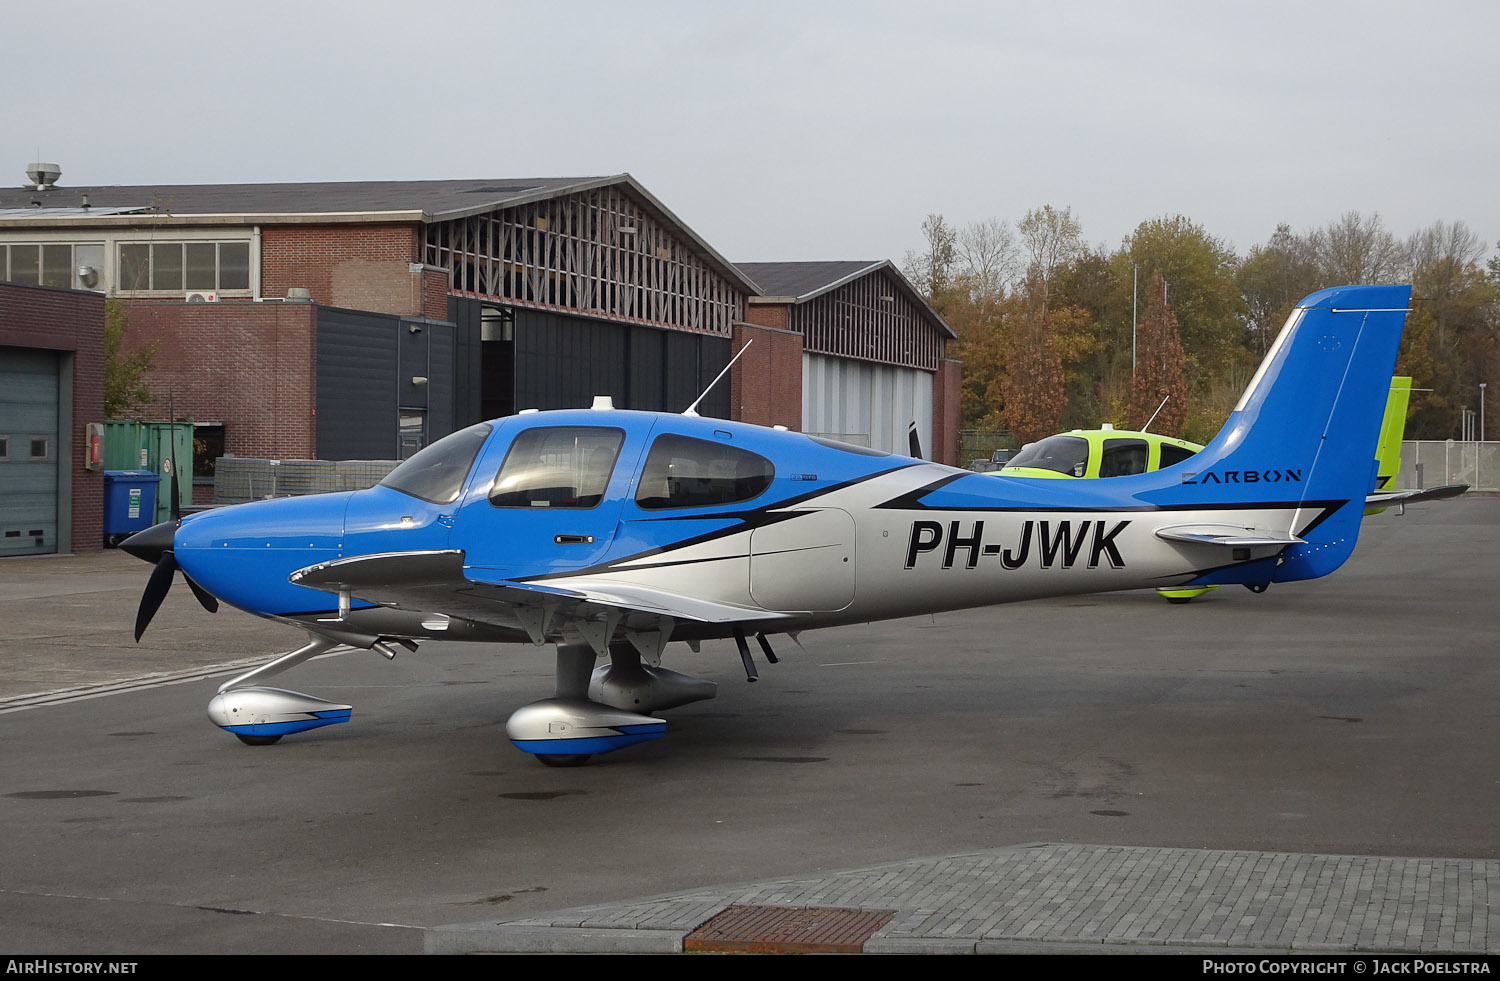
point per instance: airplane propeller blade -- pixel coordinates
(157, 588)
(205, 598)
(154, 545)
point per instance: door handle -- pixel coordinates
(573, 539)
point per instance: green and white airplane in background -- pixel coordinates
(1111, 452)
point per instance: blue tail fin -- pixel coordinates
(1305, 431)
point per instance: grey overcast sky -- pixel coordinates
(793, 130)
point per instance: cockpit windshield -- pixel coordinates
(1062, 454)
(436, 473)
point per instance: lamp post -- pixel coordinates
(1135, 278)
(1481, 411)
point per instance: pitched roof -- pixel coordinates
(432, 200)
(320, 203)
(804, 281)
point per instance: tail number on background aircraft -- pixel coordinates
(1059, 544)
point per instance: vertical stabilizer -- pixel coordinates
(1306, 429)
(1392, 431)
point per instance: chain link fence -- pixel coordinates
(1436, 463)
(237, 479)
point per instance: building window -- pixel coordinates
(208, 446)
(50, 265)
(41, 448)
(4, 449)
(413, 434)
(174, 267)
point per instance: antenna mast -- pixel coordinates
(692, 410)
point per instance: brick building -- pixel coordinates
(51, 387)
(363, 320)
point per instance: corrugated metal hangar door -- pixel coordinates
(866, 403)
(28, 451)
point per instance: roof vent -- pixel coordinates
(43, 175)
(603, 403)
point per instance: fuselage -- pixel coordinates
(761, 519)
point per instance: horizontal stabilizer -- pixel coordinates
(1229, 536)
(1416, 496)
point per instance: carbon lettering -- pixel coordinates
(1243, 477)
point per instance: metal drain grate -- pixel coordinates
(784, 930)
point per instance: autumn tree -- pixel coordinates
(1032, 387)
(1160, 370)
(125, 388)
(1356, 248)
(1452, 337)
(980, 347)
(1272, 279)
(931, 268)
(1199, 270)
(1052, 239)
(1094, 340)
(988, 260)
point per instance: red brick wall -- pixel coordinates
(766, 383)
(434, 293)
(947, 409)
(778, 315)
(250, 366)
(359, 266)
(72, 321)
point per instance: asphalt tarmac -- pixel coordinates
(1355, 716)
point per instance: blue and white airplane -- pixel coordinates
(609, 533)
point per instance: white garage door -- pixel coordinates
(866, 403)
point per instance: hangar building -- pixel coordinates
(872, 350)
(363, 320)
(51, 385)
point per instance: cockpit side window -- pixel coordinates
(1062, 454)
(557, 467)
(1123, 457)
(436, 473)
(1174, 454)
(682, 472)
